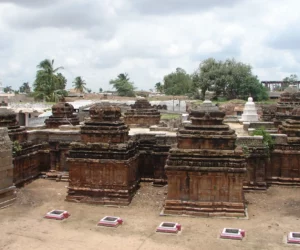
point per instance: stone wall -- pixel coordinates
(257, 154)
(7, 189)
(154, 150)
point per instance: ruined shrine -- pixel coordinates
(26, 154)
(142, 114)
(62, 114)
(7, 188)
(289, 99)
(103, 167)
(206, 171)
(284, 167)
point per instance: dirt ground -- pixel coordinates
(272, 214)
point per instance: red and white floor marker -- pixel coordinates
(168, 227)
(57, 215)
(110, 221)
(293, 237)
(232, 233)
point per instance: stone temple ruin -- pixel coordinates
(62, 114)
(142, 114)
(206, 171)
(206, 166)
(103, 166)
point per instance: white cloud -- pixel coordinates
(98, 39)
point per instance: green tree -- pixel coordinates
(25, 88)
(79, 84)
(7, 89)
(206, 77)
(48, 83)
(100, 90)
(177, 83)
(62, 81)
(289, 80)
(229, 79)
(123, 85)
(159, 87)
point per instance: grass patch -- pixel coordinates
(170, 116)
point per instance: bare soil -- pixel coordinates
(272, 214)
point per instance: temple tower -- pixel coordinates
(142, 114)
(103, 167)
(62, 114)
(250, 112)
(206, 171)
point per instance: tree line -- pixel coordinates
(227, 79)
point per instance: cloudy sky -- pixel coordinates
(98, 39)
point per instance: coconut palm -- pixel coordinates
(79, 84)
(48, 80)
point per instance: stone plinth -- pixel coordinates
(7, 189)
(103, 167)
(206, 172)
(250, 112)
(142, 114)
(62, 114)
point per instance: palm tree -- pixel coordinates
(123, 86)
(47, 80)
(79, 84)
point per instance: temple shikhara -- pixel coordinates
(104, 165)
(206, 171)
(142, 114)
(62, 114)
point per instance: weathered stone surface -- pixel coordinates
(289, 99)
(26, 154)
(7, 188)
(103, 167)
(257, 154)
(142, 114)
(284, 166)
(62, 114)
(205, 172)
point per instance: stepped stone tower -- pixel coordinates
(250, 112)
(62, 114)
(104, 165)
(206, 171)
(142, 114)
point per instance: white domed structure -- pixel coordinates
(250, 112)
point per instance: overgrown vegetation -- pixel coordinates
(169, 116)
(17, 148)
(267, 138)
